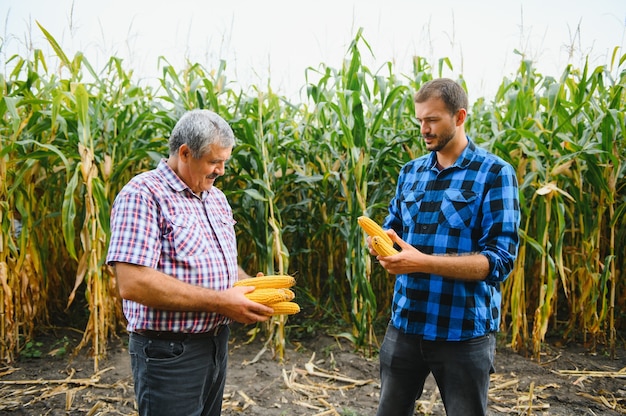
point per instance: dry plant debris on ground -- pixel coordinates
(319, 376)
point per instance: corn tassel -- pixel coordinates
(373, 229)
(382, 247)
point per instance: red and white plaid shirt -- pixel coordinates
(158, 222)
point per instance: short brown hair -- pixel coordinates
(450, 92)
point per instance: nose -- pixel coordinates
(220, 168)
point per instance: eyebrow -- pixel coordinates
(217, 160)
(428, 118)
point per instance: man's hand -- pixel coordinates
(234, 304)
(406, 261)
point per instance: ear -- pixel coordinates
(184, 154)
(461, 116)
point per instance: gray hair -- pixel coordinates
(198, 129)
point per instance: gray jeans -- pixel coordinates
(461, 370)
(179, 377)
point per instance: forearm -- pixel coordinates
(160, 291)
(463, 267)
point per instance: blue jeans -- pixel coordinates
(183, 377)
(461, 370)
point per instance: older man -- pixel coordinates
(174, 251)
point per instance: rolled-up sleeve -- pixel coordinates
(501, 220)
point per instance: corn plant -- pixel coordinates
(258, 176)
(27, 156)
(552, 132)
(344, 113)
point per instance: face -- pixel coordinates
(200, 174)
(438, 127)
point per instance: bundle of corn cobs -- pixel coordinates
(273, 291)
(382, 243)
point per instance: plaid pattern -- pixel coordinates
(158, 222)
(471, 207)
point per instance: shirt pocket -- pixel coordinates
(410, 207)
(226, 229)
(459, 208)
(187, 237)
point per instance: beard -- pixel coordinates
(441, 140)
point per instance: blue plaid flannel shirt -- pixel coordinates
(470, 207)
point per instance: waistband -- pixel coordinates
(179, 336)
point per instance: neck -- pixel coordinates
(172, 162)
(449, 154)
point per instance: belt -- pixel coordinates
(179, 336)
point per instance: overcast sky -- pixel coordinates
(279, 39)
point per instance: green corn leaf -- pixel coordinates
(69, 214)
(57, 48)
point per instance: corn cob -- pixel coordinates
(270, 281)
(268, 296)
(373, 229)
(285, 308)
(382, 247)
(289, 295)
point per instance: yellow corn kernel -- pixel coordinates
(285, 308)
(277, 281)
(382, 247)
(372, 229)
(289, 295)
(267, 296)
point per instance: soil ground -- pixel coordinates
(319, 375)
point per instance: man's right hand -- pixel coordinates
(235, 305)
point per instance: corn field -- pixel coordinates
(301, 174)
